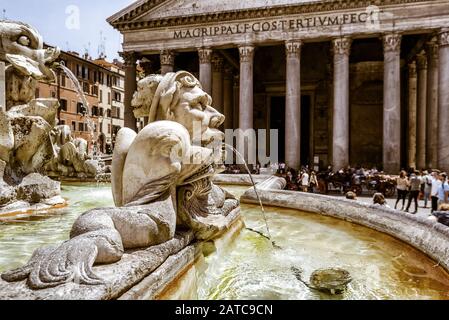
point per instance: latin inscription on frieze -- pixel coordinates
(297, 24)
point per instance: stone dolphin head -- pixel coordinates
(22, 46)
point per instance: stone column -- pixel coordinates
(432, 105)
(392, 103)
(421, 64)
(2, 87)
(205, 55)
(228, 96)
(167, 61)
(130, 87)
(293, 104)
(412, 105)
(246, 87)
(217, 83)
(443, 101)
(236, 91)
(340, 147)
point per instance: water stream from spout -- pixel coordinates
(268, 236)
(90, 124)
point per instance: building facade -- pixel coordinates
(103, 86)
(344, 82)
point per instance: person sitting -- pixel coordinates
(379, 199)
(351, 195)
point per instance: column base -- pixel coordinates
(392, 168)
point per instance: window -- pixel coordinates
(109, 98)
(37, 93)
(73, 126)
(101, 96)
(86, 88)
(80, 126)
(95, 76)
(53, 94)
(80, 108)
(108, 114)
(101, 112)
(109, 128)
(95, 90)
(84, 72)
(78, 70)
(63, 104)
(118, 113)
(63, 80)
(114, 81)
(95, 111)
(117, 96)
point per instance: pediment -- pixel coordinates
(150, 10)
(182, 8)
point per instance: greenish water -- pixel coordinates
(19, 239)
(382, 267)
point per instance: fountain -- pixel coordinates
(26, 124)
(171, 221)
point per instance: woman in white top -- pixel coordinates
(401, 187)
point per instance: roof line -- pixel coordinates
(125, 10)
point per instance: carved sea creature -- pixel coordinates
(161, 182)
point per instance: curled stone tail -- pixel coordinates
(72, 261)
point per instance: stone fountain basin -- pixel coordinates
(428, 236)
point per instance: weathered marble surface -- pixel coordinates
(131, 269)
(238, 179)
(26, 123)
(71, 156)
(2, 86)
(426, 235)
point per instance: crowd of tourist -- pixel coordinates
(430, 185)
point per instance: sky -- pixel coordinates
(74, 25)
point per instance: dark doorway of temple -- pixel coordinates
(277, 121)
(305, 130)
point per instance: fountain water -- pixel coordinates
(99, 176)
(238, 154)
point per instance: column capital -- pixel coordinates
(246, 53)
(342, 45)
(217, 63)
(412, 69)
(167, 58)
(205, 55)
(293, 47)
(421, 61)
(129, 58)
(443, 37)
(392, 42)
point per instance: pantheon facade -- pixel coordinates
(345, 82)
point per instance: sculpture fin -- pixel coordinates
(125, 138)
(72, 261)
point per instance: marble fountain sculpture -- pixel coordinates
(164, 196)
(26, 124)
(31, 143)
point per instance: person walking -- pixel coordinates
(443, 190)
(427, 183)
(313, 181)
(401, 187)
(415, 188)
(436, 183)
(305, 181)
